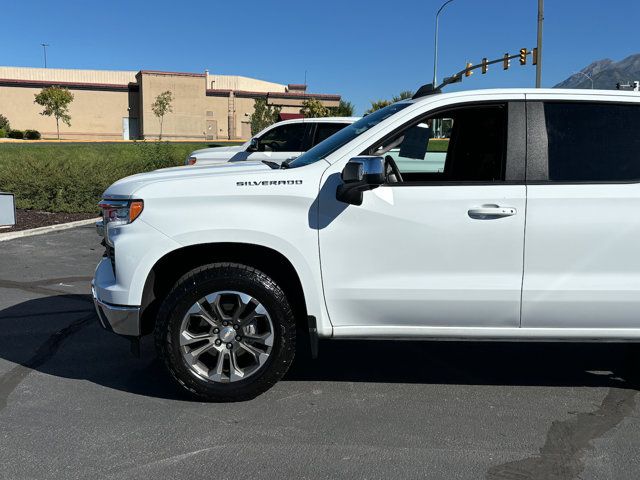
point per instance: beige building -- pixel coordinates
(114, 105)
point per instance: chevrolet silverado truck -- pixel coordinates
(276, 143)
(527, 230)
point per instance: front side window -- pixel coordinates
(465, 144)
(285, 138)
(593, 142)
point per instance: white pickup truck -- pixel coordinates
(276, 143)
(527, 231)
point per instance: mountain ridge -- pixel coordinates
(605, 73)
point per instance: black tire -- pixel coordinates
(219, 277)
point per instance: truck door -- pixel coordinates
(440, 245)
(581, 264)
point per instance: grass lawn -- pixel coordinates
(72, 177)
(438, 145)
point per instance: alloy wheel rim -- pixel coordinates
(226, 336)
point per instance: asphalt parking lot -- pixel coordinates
(74, 403)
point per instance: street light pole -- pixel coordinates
(539, 64)
(588, 76)
(44, 48)
(435, 54)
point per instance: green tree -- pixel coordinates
(161, 106)
(56, 101)
(344, 109)
(404, 95)
(263, 115)
(378, 104)
(4, 123)
(313, 108)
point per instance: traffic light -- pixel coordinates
(468, 71)
(534, 56)
(506, 62)
(523, 56)
(485, 65)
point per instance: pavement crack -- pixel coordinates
(561, 456)
(10, 380)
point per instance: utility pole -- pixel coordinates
(539, 64)
(44, 48)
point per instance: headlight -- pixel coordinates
(190, 161)
(116, 213)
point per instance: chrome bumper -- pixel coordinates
(118, 319)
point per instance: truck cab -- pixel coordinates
(523, 228)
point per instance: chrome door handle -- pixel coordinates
(486, 212)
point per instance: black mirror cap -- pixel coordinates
(369, 170)
(360, 174)
(353, 172)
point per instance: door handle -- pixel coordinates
(487, 212)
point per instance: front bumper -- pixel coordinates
(117, 318)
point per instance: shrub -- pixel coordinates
(3, 133)
(4, 123)
(32, 135)
(72, 178)
(16, 134)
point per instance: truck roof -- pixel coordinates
(319, 120)
(537, 93)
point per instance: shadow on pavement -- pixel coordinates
(60, 336)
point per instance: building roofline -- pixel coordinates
(71, 85)
(179, 74)
(294, 95)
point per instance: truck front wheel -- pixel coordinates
(226, 332)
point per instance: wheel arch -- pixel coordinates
(173, 265)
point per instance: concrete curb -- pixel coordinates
(47, 229)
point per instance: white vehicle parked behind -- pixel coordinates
(276, 143)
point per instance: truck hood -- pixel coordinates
(217, 152)
(127, 186)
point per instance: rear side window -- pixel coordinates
(325, 130)
(593, 142)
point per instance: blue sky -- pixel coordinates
(363, 50)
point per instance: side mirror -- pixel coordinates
(254, 144)
(360, 174)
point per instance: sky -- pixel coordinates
(362, 50)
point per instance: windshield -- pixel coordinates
(344, 136)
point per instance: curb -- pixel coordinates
(47, 229)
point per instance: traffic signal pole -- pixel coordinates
(539, 46)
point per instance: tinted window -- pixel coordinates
(285, 138)
(325, 130)
(593, 142)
